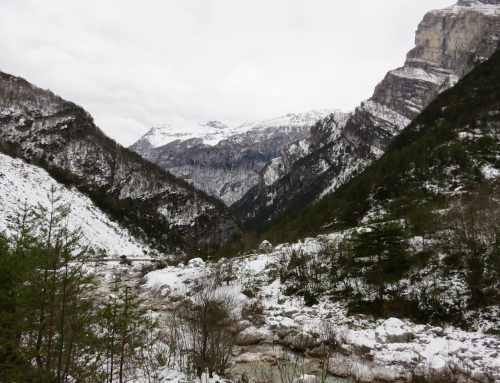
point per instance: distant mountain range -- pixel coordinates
(224, 162)
(263, 169)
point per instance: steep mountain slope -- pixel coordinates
(22, 183)
(449, 43)
(62, 137)
(449, 154)
(224, 162)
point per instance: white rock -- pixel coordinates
(248, 357)
(300, 341)
(196, 262)
(339, 366)
(362, 372)
(307, 379)
(393, 330)
(252, 335)
(437, 364)
(438, 331)
(384, 374)
(455, 347)
(362, 344)
(289, 312)
(479, 376)
(346, 349)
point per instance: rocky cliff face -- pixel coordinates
(449, 43)
(224, 162)
(61, 134)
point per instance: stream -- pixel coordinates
(296, 366)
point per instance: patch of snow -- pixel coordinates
(273, 171)
(386, 114)
(490, 172)
(214, 132)
(423, 75)
(468, 5)
(22, 183)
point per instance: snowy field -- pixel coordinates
(22, 184)
(384, 350)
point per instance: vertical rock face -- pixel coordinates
(63, 135)
(448, 44)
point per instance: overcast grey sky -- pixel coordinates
(137, 64)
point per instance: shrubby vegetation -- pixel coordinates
(435, 266)
(205, 330)
(421, 224)
(441, 152)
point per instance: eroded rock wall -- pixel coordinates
(448, 44)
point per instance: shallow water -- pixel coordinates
(283, 367)
(290, 366)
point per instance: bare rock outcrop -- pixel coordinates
(449, 43)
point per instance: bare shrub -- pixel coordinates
(205, 330)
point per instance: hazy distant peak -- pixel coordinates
(215, 124)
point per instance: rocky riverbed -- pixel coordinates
(349, 346)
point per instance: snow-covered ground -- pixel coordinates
(368, 349)
(468, 5)
(24, 184)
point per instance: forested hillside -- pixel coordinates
(61, 137)
(449, 153)
(421, 226)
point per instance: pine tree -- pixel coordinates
(48, 315)
(51, 325)
(383, 249)
(126, 328)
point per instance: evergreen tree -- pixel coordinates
(47, 316)
(383, 250)
(126, 328)
(51, 325)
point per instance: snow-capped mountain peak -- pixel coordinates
(225, 161)
(213, 132)
(210, 133)
(290, 119)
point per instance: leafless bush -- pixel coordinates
(286, 369)
(204, 330)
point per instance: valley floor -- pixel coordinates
(323, 335)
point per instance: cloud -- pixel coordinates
(134, 65)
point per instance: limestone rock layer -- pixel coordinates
(449, 43)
